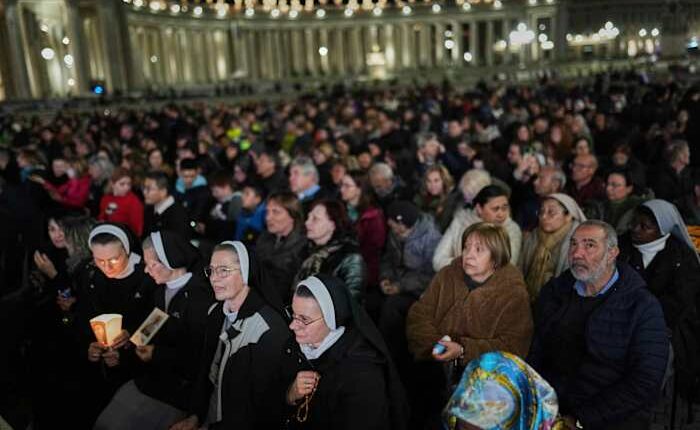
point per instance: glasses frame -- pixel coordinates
(220, 271)
(292, 317)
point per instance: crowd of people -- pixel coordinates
(414, 258)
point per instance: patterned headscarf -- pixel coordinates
(499, 391)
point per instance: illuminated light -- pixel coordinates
(468, 57)
(642, 32)
(221, 11)
(542, 38)
(578, 38)
(47, 54)
(138, 3)
(522, 27)
(154, 59)
(44, 27)
(99, 89)
(275, 13)
(466, 7)
(436, 8)
(547, 45)
(348, 12)
(655, 32)
(449, 44)
(127, 1)
(320, 13)
(501, 45)
(595, 37)
(155, 6)
(293, 14)
(497, 4)
(550, 1)
(406, 10)
(569, 37)
(609, 25)
(532, 2)
(448, 33)
(377, 11)
(249, 12)
(197, 11)
(175, 8)
(323, 51)
(68, 60)
(521, 36)
(542, 27)
(71, 82)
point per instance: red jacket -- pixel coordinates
(371, 233)
(73, 194)
(126, 209)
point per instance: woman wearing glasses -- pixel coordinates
(349, 381)
(116, 284)
(158, 398)
(245, 367)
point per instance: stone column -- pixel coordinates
(20, 78)
(439, 48)
(489, 43)
(474, 43)
(78, 47)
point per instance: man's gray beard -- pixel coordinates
(594, 275)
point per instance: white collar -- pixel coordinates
(134, 259)
(649, 250)
(180, 282)
(164, 205)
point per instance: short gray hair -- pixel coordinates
(423, 138)
(306, 165)
(675, 148)
(608, 230)
(381, 169)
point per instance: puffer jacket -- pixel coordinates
(408, 262)
(627, 350)
(450, 245)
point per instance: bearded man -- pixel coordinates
(600, 338)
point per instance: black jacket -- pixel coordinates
(626, 351)
(673, 276)
(352, 392)
(281, 259)
(174, 219)
(170, 375)
(197, 201)
(256, 376)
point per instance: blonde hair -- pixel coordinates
(494, 237)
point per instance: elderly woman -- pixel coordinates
(490, 205)
(492, 391)
(349, 381)
(659, 248)
(545, 250)
(280, 248)
(244, 371)
(478, 303)
(333, 247)
(158, 397)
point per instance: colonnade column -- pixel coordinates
(489, 43)
(20, 79)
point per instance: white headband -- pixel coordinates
(114, 231)
(242, 257)
(157, 240)
(323, 297)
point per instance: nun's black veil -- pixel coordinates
(180, 252)
(348, 313)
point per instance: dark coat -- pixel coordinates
(626, 345)
(170, 375)
(256, 377)
(197, 201)
(673, 276)
(281, 259)
(670, 186)
(352, 392)
(371, 233)
(174, 219)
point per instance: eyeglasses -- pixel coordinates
(549, 213)
(220, 271)
(293, 317)
(111, 262)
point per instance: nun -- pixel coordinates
(349, 380)
(244, 369)
(159, 397)
(114, 284)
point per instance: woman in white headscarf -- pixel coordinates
(659, 248)
(348, 381)
(244, 368)
(545, 249)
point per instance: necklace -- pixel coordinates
(303, 409)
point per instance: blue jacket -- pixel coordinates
(627, 350)
(250, 224)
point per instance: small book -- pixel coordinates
(149, 327)
(106, 328)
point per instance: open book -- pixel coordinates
(106, 328)
(149, 327)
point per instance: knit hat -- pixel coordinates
(403, 212)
